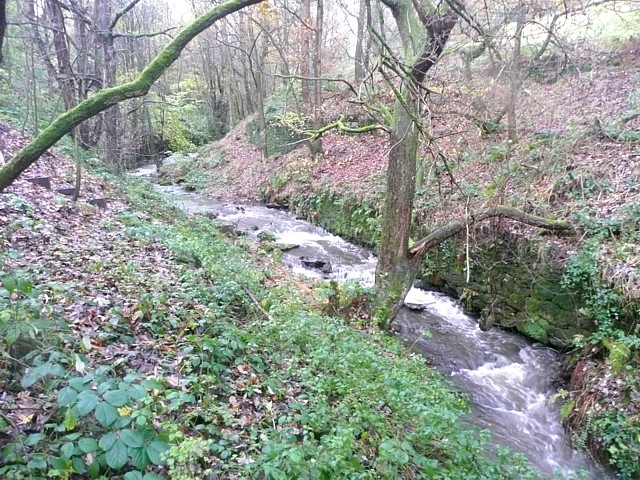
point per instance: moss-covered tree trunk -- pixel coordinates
(394, 273)
(112, 96)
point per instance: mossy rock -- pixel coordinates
(516, 300)
(535, 327)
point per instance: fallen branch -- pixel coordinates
(255, 301)
(439, 235)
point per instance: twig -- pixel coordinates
(257, 304)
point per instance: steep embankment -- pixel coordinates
(575, 159)
(138, 343)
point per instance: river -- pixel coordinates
(508, 378)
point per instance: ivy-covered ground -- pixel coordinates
(139, 343)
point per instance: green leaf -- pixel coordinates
(132, 438)
(12, 333)
(135, 475)
(104, 387)
(153, 476)
(106, 414)
(61, 464)
(78, 383)
(67, 396)
(78, 465)
(107, 441)
(141, 421)
(122, 422)
(25, 286)
(152, 385)
(9, 283)
(67, 450)
(86, 402)
(117, 455)
(94, 469)
(137, 392)
(117, 398)
(156, 449)
(34, 438)
(139, 457)
(38, 461)
(70, 420)
(88, 445)
(35, 374)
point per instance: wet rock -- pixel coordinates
(323, 265)
(231, 231)
(283, 247)
(418, 307)
(276, 206)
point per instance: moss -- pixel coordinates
(516, 300)
(536, 328)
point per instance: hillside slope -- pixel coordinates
(139, 342)
(577, 158)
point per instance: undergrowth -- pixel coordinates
(222, 388)
(612, 420)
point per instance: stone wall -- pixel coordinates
(515, 281)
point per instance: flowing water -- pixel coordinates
(508, 378)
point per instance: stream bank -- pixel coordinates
(509, 380)
(166, 350)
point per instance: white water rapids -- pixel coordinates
(508, 378)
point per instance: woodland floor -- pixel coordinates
(141, 343)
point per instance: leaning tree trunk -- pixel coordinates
(112, 96)
(397, 278)
(395, 273)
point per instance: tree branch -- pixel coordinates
(313, 79)
(122, 13)
(439, 235)
(143, 35)
(341, 127)
(439, 29)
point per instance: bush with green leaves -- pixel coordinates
(614, 427)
